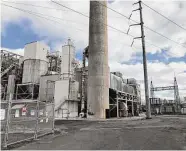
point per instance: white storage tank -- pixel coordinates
(68, 56)
(33, 69)
(35, 61)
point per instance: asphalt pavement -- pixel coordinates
(158, 133)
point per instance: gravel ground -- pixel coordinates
(158, 133)
(24, 130)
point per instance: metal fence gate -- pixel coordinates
(23, 120)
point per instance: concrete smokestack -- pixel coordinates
(98, 70)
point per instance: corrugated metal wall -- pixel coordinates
(117, 83)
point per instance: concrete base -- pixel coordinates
(68, 110)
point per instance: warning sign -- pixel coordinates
(24, 109)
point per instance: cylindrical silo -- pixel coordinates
(33, 69)
(98, 70)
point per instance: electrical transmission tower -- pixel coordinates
(176, 92)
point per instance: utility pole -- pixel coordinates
(148, 112)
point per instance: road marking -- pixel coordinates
(161, 126)
(64, 145)
(95, 129)
(137, 127)
(169, 117)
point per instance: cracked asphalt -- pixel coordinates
(158, 133)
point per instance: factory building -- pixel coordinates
(57, 76)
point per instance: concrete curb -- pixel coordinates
(110, 119)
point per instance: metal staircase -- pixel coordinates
(59, 108)
(60, 105)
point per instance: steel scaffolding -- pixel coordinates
(83, 87)
(27, 91)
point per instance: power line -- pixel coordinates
(164, 36)
(92, 18)
(96, 20)
(45, 14)
(33, 5)
(164, 16)
(137, 22)
(35, 14)
(106, 24)
(67, 20)
(144, 25)
(47, 8)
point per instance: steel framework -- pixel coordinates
(54, 63)
(10, 64)
(83, 87)
(174, 88)
(130, 99)
(27, 91)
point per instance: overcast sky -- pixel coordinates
(19, 28)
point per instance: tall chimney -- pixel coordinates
(98, 70)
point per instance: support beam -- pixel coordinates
(132, 108)
(117, 104)
(11, 86)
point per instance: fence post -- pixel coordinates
(37, 120)
(53, 109)
(8, 120)
(53, 116)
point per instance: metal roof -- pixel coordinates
(18, 106)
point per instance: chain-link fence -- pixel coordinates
(45, 118)
(23, 120)
(4, 111)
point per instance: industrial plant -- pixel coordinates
(81, 102)
(76, 91)
(58, 77)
